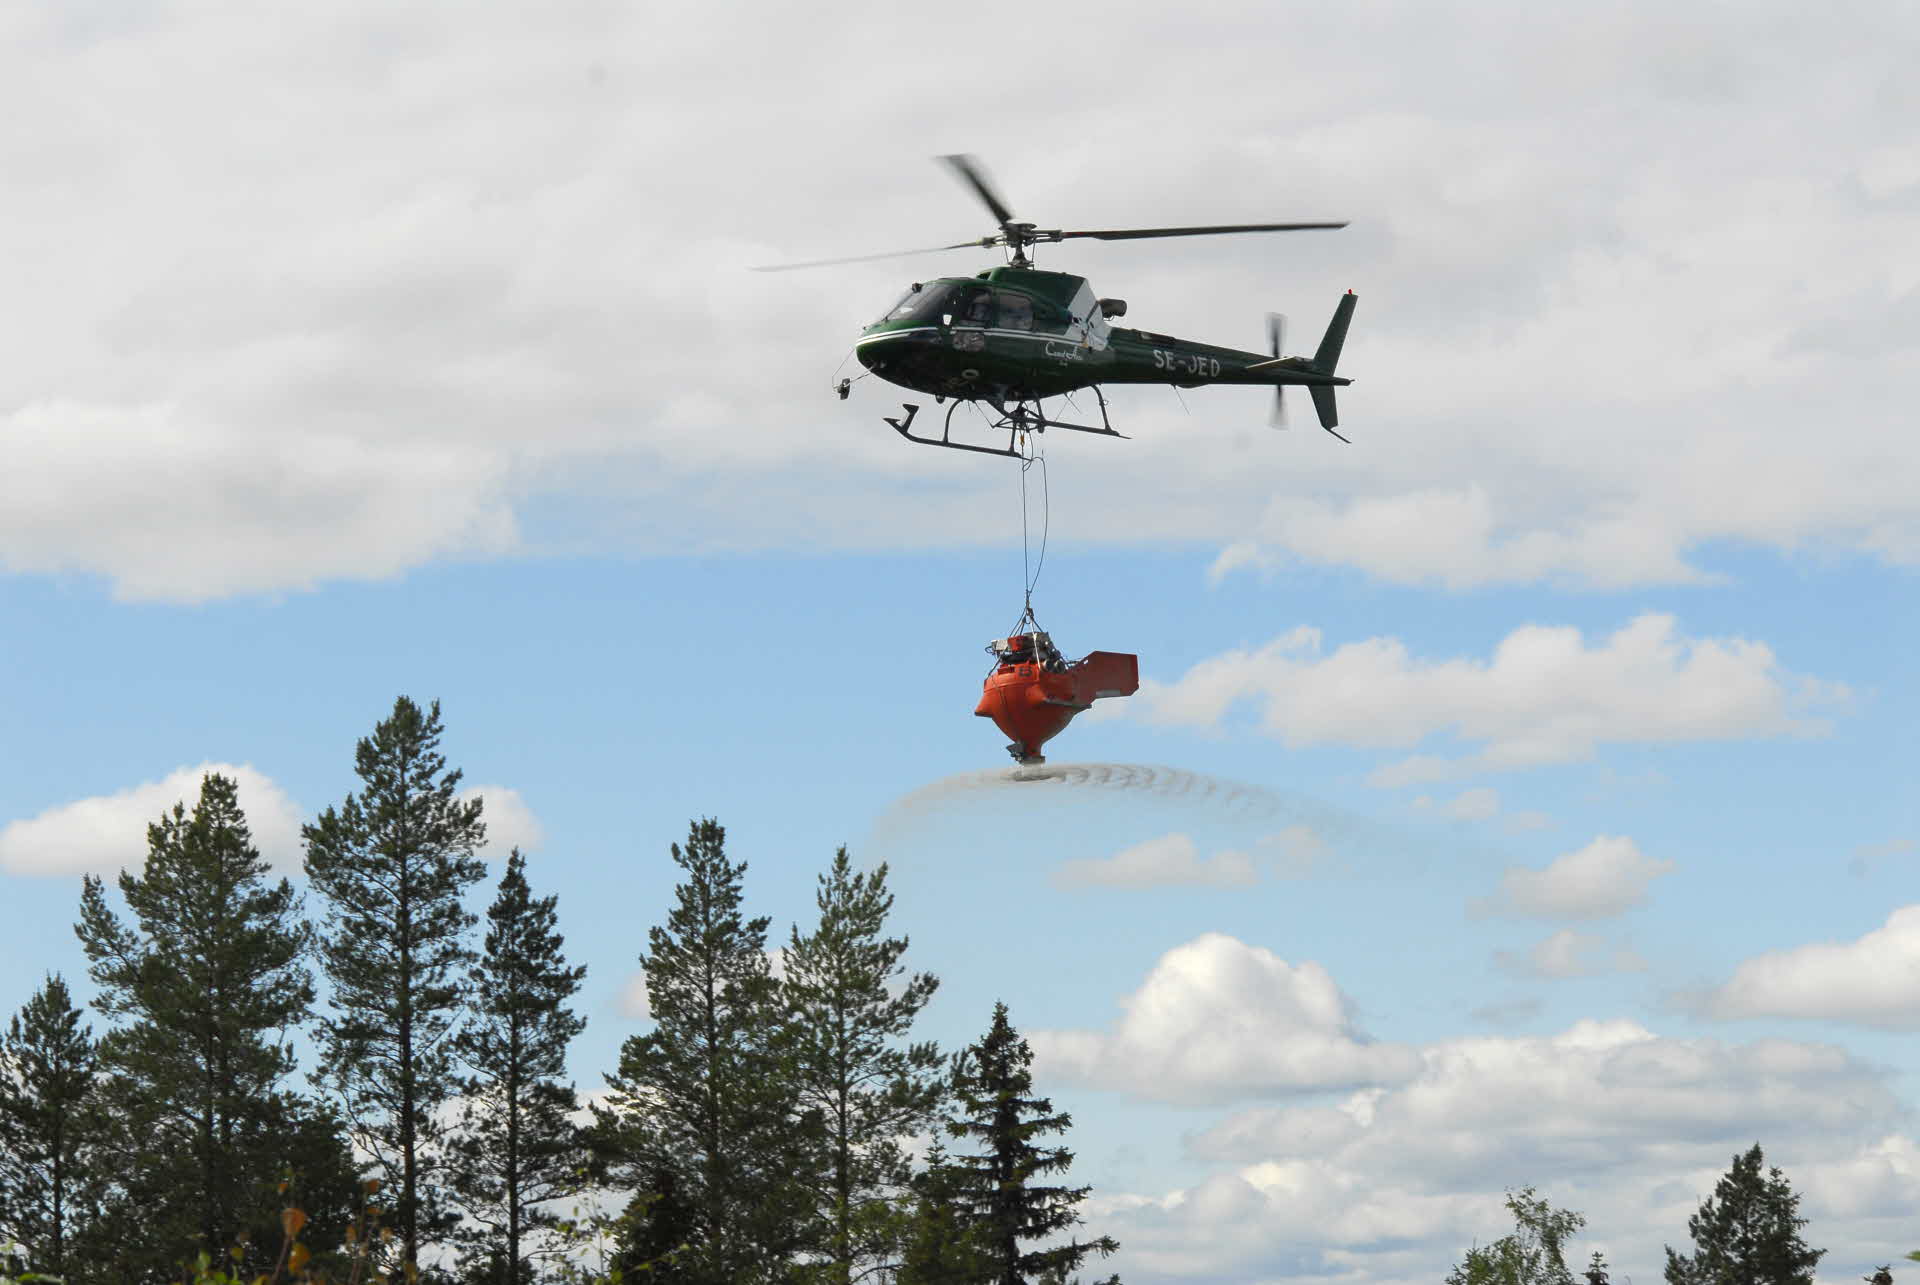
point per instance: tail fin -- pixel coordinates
(1329, 355)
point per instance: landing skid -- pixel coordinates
(1024, 417)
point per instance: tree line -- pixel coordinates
(1748, 1232)
(779, 1128)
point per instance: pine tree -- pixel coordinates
(391, 864)
(705, 1100)
(517, 1147)
(48, 1181)
(850, 1067)
(208, 980)
(994, 1188)
(1746, 1233)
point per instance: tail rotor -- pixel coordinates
(1276, 336)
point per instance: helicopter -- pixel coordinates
(1008, 338)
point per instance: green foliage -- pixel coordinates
(992, 1191)
(207, 979)
(1533, 1254)
(391, 864)
(850, 1070)
(517, 1148)
(13, 1267)
(49, 1176)
(706, 1097)
(940, 1245)
(1746, 1233)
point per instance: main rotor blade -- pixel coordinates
(971, 174)
(867, 258)
(1137, 234)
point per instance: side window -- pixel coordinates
(1016, 311)
(975, 307)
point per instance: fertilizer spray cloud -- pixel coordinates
(1172, 784)
(1215, 798)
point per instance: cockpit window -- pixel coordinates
(1016, 311)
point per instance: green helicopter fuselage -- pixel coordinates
(1014, 334)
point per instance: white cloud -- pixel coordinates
(633, 997)
(1454, 538)
(186, 511)
(1544, 696)
(1873, 980)
(1421, 769)
(1482, 803)
(510, 822)
(455, 271)
(1218, 1020)
(1479, 804)
(1570, 954)
(1168, 861)
(1606, 1117)
(105, 833)
(1607, 877)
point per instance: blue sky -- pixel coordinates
(1572, 704)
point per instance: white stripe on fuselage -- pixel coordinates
(1042, 336)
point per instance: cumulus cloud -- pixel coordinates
(108, 832)
(1607, 877)
(510, 822)
(1569, 954)
(1545, 695)
(1170, 860)
(185, 511)
(1630, 1127)
(1873, 980)
(1409, 1162)
(1218, 1020)
(440, 271)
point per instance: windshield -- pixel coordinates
(909, 301)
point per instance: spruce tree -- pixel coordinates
(993, 1188)
(851, 1069)
(704, 1102)
(48, 1129)
(517, 1147)
(208, 980)
(654, 1231)
(939, 1244)
(391, 864)
(1746, 1233)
